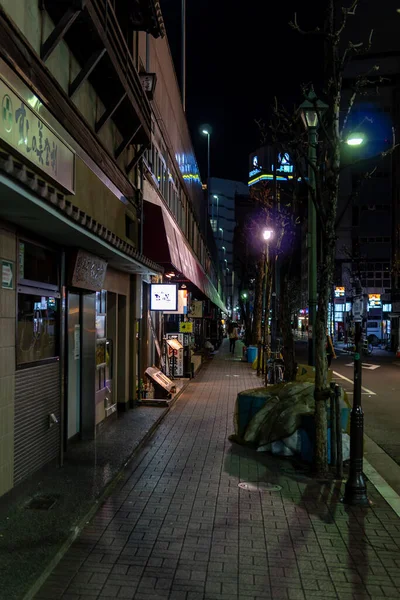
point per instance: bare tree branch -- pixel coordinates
(351, 10)
(294, 25)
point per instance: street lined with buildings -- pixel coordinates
(179, 527)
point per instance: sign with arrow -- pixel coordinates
(7, 275)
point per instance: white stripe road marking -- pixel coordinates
(352, 382)
(365, 366)
(381, 485)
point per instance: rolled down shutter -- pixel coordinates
(37, 395)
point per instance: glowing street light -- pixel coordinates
(355, 139)
(267, 234)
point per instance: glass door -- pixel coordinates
(74, 365)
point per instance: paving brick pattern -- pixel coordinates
(179, 528)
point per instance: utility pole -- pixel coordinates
(356, 487)
(312, 247)
(183, 54)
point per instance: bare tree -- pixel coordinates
(288, 132)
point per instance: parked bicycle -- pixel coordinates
(275, 368)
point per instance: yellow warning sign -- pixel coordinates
(186, 327)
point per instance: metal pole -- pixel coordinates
(273, 269)
(339, 449)
(208, 182)
(312, 247)
(208, 156)
(356, 488)
(266, 315)
(183, 65)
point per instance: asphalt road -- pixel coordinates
(380, 396)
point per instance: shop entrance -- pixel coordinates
(74, 365)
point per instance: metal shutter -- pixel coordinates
(37, 394)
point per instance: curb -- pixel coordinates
(30, 594)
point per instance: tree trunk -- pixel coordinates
(258, 302)
(288, 349)
(268, 291)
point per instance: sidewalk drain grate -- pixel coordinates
(259, 486)
(44, 502)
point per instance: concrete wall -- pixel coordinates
(7, 364)
(96, 200)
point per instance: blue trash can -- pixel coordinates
(252, 352)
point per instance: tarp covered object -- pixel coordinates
(266, 415)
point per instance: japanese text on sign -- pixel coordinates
(25, 132)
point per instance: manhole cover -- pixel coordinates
(42, 502)
(259, 486)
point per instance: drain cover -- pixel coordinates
(42, 502)
(259, 486)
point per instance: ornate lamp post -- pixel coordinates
(312, 110)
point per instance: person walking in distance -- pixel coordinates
(233, 336)
(330, 350)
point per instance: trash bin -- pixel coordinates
(252, 353)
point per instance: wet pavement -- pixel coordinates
(31, 538)
(178, 526)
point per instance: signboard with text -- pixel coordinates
(24, 131)
(7, 275)
(374, 301)
(164, 296)
(339, 292)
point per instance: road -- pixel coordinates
(380, 396)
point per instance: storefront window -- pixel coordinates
(37, 335)
(101, 332)
(36, 263)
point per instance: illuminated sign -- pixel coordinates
(185, 327)
(374, 301)
(163, 296)
(25, 132)
(182, 304)
(256, 167)
(284, 164)
(267, 177)
(339, 292)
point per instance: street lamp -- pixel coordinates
(208, 134)
(312, 110)
(267, 235)
(356, 487)
(355, 139)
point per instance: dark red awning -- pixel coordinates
(165, 244)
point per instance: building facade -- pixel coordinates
(78, 118)
(221, 208)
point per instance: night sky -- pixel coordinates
(239, 56)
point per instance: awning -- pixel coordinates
(20, 206)
(165, 244)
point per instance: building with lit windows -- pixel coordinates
(222, 218)
(93, 132)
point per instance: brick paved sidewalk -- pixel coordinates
(180, 528)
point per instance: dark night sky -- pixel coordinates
(239, 56)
